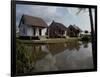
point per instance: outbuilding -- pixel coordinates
(56, 30)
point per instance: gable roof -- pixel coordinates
(33, 21)
(60, 25)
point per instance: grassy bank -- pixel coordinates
(50, 40)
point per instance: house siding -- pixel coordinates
(73, 32)
(30, 31)
(23, 30)
(43, 31)
(56, 30)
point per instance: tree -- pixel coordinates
(92, 29)
(91, 24)
(91, 20)
(86, 31)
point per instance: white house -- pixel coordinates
(31, 26)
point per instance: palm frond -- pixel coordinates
(80, 10)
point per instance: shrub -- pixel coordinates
(85, 38)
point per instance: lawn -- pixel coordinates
(49, 40)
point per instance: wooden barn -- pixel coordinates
(31, 26)
(56, 30)
(73, 31)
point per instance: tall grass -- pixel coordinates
(26, 57)
(23, 58)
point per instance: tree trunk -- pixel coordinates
(92, 29)
(92, 34)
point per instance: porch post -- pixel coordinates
(37, 32)
(64, 33)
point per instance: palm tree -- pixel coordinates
(92, 34)
(92, 29)
(91, 24)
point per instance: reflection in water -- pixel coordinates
(62, 56)
(70, 60)
(85, 44)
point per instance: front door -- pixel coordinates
(34, 31)
(40, 32)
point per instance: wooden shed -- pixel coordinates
(73, 31)
(56, 30)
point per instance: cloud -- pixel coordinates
(64, 15)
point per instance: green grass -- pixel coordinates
(50, 40)
(26, 56)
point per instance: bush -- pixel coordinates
(85, 38)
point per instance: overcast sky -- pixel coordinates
(64, 15)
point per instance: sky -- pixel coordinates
(65, 15)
